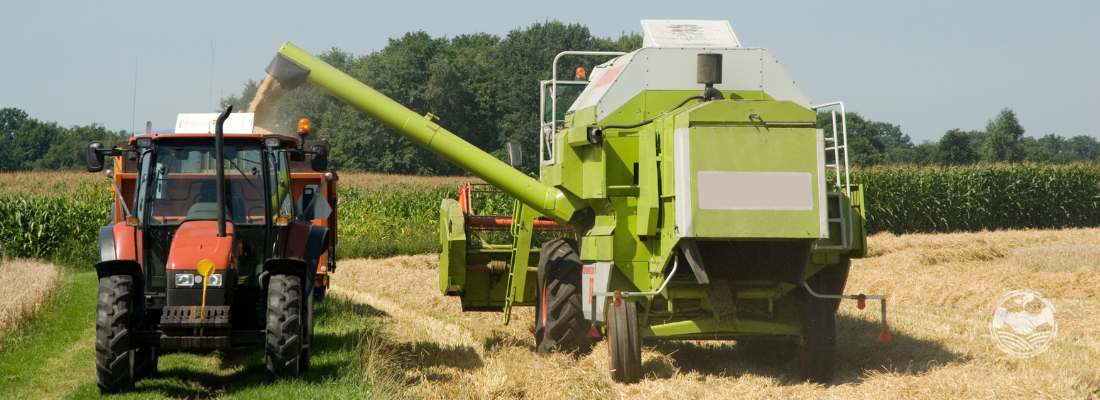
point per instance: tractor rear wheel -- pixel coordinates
(559, 319)
(624, 347)
(284, 326)
(114, 308)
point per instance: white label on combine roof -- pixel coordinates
(204, 123)
(688, 33)
(724, 190)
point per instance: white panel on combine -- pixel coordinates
(726, 190)
(687, 33)
(204, 123)
(743, 69)
(682, 164)
(603, 77)
(594, 279)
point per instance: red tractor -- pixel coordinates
(219, 238)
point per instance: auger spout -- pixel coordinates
(293, 66)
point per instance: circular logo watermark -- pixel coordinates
(1023, 324)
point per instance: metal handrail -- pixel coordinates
(545, 149)
(840, 150)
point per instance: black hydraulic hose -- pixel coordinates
(648, 121)
(219, 164)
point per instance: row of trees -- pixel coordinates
(27, 143)
(1003, 140)
(481, 86)
(485, 89)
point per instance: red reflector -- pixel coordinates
(885, 336)
(862, 302)
(593, 333)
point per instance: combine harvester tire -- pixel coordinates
(559, 319)
(624, 346)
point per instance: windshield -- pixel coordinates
(568, 92)
(183, 182)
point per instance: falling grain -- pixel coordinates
(266, 104)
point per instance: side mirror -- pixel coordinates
(515, 154)
(319, 161)
(95, 157)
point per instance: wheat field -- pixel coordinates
(942, 290)
(23, 286)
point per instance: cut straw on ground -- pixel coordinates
(24, 284)
(943, 290)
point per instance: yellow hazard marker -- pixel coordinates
(205, 268)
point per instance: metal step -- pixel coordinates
(187, 317)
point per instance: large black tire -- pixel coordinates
(832, 279)
(284, 326)
(817, 356)
(559, 319)
(818, 352)
(145, 362)
(114, 308)
(624, 346)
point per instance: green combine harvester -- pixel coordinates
(696, 195)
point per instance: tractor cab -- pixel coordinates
(210, 222)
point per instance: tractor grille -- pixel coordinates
(186, 317)
(195, 342)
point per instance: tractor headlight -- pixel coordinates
(185, 280)
(214, 280)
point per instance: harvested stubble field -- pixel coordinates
(24, 284)
(942, 288)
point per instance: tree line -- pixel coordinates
(873, 143)
(27, 143)
(485, 88)
(482, 87)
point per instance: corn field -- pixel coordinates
(940, 200)
(40, 224)
(382, 215)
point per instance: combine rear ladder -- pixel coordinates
(837, 142)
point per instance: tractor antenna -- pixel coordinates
(133, 111)
(210, 94)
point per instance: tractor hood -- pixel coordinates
(198, 240)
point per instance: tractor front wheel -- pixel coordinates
(559, 319)
(114, 308)
(284, 327)
(624, 347)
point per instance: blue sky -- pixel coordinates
(927, 66)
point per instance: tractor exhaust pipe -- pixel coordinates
(219, 164)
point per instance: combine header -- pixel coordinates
(703, 202)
